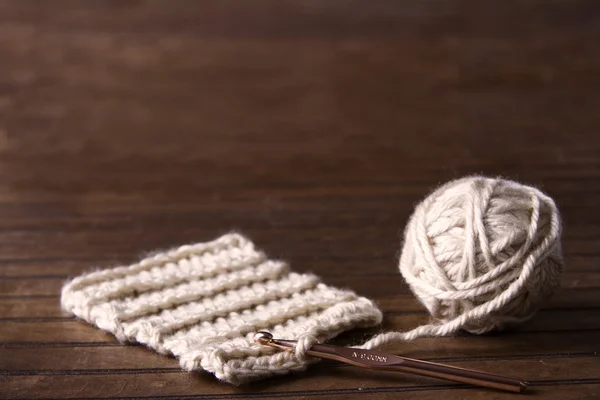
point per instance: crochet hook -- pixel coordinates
(379, 360)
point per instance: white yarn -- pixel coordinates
(480, 254)
(203, 303)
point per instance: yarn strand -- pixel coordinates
(491, 268)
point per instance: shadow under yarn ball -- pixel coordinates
(482, 254)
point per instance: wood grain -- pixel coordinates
(314, 128)
(173, 383)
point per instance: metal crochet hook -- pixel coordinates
(379, 360)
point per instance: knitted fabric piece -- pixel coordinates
(203, 303)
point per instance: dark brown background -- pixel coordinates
(311, 126)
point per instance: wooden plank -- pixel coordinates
(368, 285)
(564, 298)
(30, 307)
(49, 307)
(83, 358)
(75, 359)
(109, 384)
(31, 287)
(545, 320)
(301, 207)
(376, 205)
(509, 344)
(325, 266)
(341, 258)
(48, 334)
(380, 262)
(71, 330)
(571, 390)
(54, 331)
(372, 285)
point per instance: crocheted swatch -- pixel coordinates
(203, 303)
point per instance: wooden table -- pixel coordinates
(313, 127)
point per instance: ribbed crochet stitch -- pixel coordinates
(204, 302)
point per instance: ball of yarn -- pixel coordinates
(482, 254)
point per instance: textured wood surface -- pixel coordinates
(313, 127)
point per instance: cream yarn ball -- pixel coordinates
(481, 254)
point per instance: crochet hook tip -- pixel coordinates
(263, 337)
